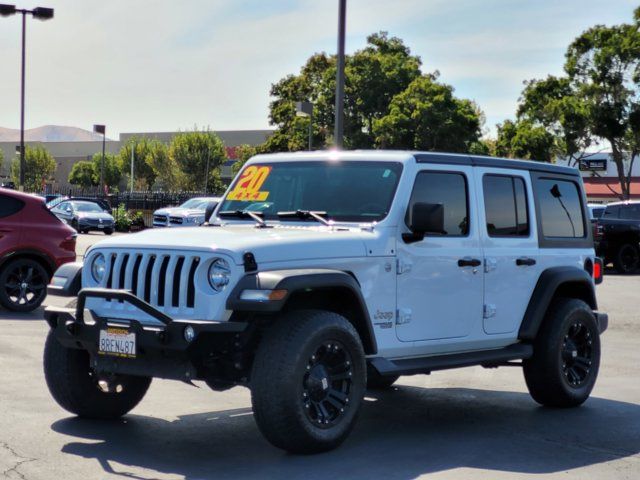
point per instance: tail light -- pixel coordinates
(69, 243)
(598, 270)
(597, 230)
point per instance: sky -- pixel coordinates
(143, 65)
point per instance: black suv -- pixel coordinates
(618, 236)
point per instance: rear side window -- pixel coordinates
(611, 212)
(630, 212)
(9, 206)
(560, 208)
(449, 189)
(505, 205)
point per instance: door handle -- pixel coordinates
(525, 262)
(469, 262)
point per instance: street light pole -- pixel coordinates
(103, 130)
(305, 109)
(339, 114)
(39, 13)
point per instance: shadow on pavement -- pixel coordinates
(401, 434)
(37, 314)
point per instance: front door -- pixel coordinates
(440, 278)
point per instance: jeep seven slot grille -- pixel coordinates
(162, 279)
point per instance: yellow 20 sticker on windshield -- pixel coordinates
(248, 186)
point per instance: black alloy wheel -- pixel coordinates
(327, 384)
(23, 285)
(577, 354)
(627, 258)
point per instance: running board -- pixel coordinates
(486, 358)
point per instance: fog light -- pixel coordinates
(189, 333)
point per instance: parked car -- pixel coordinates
(84, 216)
(190, 214)
(618, 236)
(358, 267)
(595, 211)
(55, 200)
(33, 243)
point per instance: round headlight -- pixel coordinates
(219, 273)
(98, 267)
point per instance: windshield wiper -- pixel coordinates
(306, 214)
(256, 216)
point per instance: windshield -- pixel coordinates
(349, 191)
(56, 201)
(196, 203)
(86, 207)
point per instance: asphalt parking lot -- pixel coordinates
(470, 423)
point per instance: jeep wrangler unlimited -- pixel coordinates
(322, 274)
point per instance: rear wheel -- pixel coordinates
(566, 355)
(23, 285)
(308, 381)
(626, 259)
(79, 390)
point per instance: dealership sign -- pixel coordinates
(594, 165)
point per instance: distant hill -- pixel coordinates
(49, 133)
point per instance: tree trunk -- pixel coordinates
(618, 159)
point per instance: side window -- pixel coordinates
(449, 189)
(630, 212)
(9, 206)
(560, 208)
(505, 206)
(611, 212)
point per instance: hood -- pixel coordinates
(267, 244)
(95, 215)
(178, 212)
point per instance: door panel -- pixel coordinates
(438, 298)
(510, 245)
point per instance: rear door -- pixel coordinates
(509, 240)
(10, 223)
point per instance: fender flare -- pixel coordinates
(297, 281)
(29, 252)
(549, 282)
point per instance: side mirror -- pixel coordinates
(425, 218)
(208, 212)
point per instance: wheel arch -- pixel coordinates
(331, 290)
(40, 257)
(571, 282)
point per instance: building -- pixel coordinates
(67, 154)
(600, 177)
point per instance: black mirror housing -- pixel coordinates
(211, 206)
(425, 218)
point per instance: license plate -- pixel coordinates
(118, 342)
(100, 225)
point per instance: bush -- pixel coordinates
(122, 219)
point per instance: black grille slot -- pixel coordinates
(134, 278)
(147, 278)
(191, 287)
(162, 281)
(123, 269)
(175, 300)
(110, 279)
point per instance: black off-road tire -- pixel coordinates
(626, 259)
(375, 381)
(289, 381)
(75, 387)
(566, 349)
(13, 276)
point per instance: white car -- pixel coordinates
(190, 214)
(356, 268)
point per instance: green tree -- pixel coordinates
(39, 167)
(167, 173)
(427, 116)
(192, 152)
(525, 140)
(83, 174)
(143, 149)
(112, 171)
(243, 153)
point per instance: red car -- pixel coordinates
(33, 244)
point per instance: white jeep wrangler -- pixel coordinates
(321, 274)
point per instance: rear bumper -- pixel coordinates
(161, 351)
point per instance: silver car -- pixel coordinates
(190, 214)
(84, 216)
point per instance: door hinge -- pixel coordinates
(490, 264)
(489, 310)
(403, 316)
(402, 266)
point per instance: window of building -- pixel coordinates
(450, 190)
(505, 206)
(9, 206)
(560, 208)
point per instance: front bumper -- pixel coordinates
(602, 319)
(161, 351)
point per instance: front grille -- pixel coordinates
(165, 280)
(176, 220)
(160, 219)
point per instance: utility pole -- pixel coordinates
(132, 160)
(339, 118)
(206, 173)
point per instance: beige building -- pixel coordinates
(67, 154)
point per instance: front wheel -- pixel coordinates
(79, 390)
(108, 231)
(566, 355)
(308, 381)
